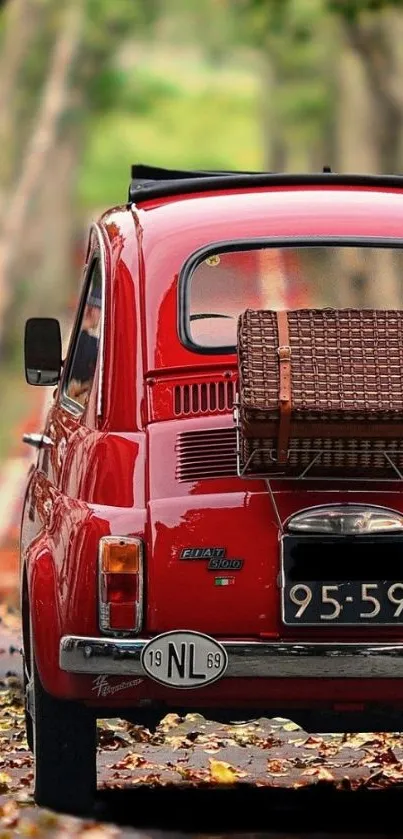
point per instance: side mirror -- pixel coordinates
(43, 351)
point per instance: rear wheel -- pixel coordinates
(27, 665)
(65, 753)
(28, 718)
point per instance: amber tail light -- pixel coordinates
(120, 583)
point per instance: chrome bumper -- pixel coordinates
(249, 660)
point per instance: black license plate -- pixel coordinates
(327, 581)
(342, 602)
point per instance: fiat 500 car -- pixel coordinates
(157, 573)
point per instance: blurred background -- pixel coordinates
(88, 87)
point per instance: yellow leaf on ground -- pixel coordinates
(362, 741)
(48, 819)
(195, 718)
(313, 742)
(169, 721)
(178, 742)
(99, 831)
(131, 761)
(320, 773)
(5, 782)
(29, 829)
(277, 767)
(9, 813)
(221, 772)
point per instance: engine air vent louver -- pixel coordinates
(203, 398)
(206, 454)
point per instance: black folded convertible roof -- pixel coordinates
(153, 182)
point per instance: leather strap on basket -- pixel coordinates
(284, 355)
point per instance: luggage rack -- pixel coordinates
(304, 475)
(306, 469)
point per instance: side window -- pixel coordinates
(85, 353)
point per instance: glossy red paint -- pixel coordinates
(173, 230)
(112, 468)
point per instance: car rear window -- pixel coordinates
(225, 283)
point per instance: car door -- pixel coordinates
(72, 417)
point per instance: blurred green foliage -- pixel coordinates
(352, 9)
(248, 84)
(167, 117)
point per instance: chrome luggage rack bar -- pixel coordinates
(242, 468)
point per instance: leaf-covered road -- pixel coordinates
(191, 753)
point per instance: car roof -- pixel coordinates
(180, 219)
(150, 182)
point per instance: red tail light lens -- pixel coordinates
(120, 583)
(121, 588)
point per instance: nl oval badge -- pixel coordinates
(184, 659)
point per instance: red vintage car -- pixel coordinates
(156, 575)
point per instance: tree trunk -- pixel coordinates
(21, 18)
(375, 40)
(54, 102)
(356, 152)
(395, 31)
(274, 153)
(50, 281)
(370, 133)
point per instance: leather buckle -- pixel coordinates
(284, 353)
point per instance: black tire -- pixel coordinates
(65, 753)
(29, 729)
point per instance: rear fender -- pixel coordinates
(62, 577)
(44, 617)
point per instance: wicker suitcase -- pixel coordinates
(321, 393)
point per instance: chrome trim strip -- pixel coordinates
(246, 659)
(339, 507)
(71, 405)
(76, 408)
(93, 252)
(38, 441)
(102, 252)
